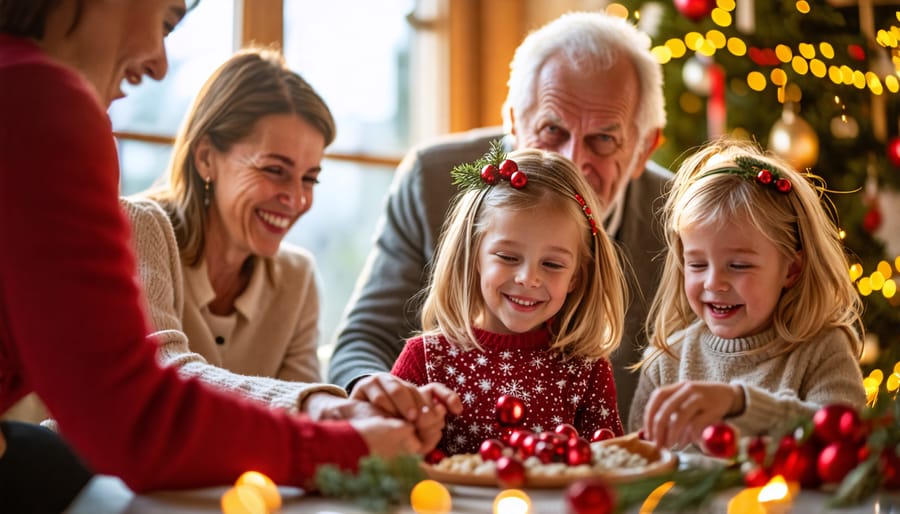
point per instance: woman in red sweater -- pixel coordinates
(72, 327)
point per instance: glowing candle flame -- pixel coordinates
(512, 501)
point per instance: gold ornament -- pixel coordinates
(793, 139)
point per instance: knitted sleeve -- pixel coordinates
(159, 269)
(830, 374)
(647, 383)
(410, 365)
(71, 313)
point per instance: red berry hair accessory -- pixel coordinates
(587, 213)
(754, 169)
(489, 170)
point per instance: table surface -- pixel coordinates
(106, 494)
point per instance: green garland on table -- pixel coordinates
(378, 486)
(694, 485)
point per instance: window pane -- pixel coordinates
(200, 43)
(355, 53)
(144, 162)
(338, 231)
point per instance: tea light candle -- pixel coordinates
(776, 497)
(512, 501)
(266, 486)
(430, 497)
(243, 499)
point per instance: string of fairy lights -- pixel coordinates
(813, 58)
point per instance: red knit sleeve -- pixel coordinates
(600, 409)
(410, 365)
(71, 316)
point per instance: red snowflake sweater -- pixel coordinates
(554, 389)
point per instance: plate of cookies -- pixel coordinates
(553, 462)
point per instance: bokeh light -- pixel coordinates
(430, 497)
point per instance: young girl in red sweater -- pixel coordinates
(526, 299)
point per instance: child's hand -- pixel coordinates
(677, 414)
(388, 437)
(430, 424)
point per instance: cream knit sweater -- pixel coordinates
(160, 274)
(777, 389)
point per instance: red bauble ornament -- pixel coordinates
(856, 52)
(837, 422)
(434, 456)
(757, 449)
(798, 464)
(545, 451)
(526, 446)
(566, 430)
(510, 472)
(489, 174)
(590, 496)
(756, 477)
(764, 177)
(578, 452)
(491, 449)
(602, 434)
(890, 469)
(893, 151)
(518, 180)
(872, 219)
(516, 436)
(720, 440)
(835, 461)
(510, 411)
(508, 167)
(695, 10)
(783, 185)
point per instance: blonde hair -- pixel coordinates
(250, 85)
(823, 296)
(589, 324)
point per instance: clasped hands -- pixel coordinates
(676, 414)
(392, 415)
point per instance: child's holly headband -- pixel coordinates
(754, 169)
(493, 168)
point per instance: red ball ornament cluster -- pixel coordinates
(563, 444)
(766, 178)
(823, 452)
(508, 170)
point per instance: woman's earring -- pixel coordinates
(206, 193)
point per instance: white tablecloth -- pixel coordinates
(108, 495)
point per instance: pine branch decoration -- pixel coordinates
(468, 175)
(378, 486)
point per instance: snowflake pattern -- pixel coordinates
(554, 390)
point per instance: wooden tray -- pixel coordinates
(660, 461)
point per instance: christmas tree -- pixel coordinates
(816, 83)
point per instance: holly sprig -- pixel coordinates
(377, 486)
(468, 174)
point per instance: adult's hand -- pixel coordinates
(677, 414)
(425, 406)
(388, 437)
(322, 405)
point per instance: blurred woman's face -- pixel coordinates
(114, 40)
